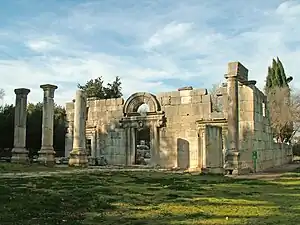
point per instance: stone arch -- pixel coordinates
(137, 99)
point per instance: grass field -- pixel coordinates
(148, 198)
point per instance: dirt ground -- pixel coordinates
(270, 174)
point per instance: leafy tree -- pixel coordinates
(34, 128)
(114, 89)
(95, 88)
(59, 130)
(6, 126)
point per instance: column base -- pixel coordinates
(20, 155)
(232, 163)
(46, 156)
(78, 157)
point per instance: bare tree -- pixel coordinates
(2, 94)
(213, 91)
(284, 108)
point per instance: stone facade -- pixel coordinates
(183, 129)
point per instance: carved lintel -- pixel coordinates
(157, 120)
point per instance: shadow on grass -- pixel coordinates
(21, 168)
(147, 198)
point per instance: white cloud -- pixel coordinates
(42, 45)
(146, 43)
(170, 33)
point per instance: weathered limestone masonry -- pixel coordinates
(232, 77)
(78, 156)
(183, 129)
(47, 153)
(19, 152)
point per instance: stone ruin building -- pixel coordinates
(180, 129)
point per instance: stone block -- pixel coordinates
(237, 69)
(198, 92)
(206, 98)
(108, 102)
(206, 109)
(185, 93)
(171, 111)
(246, 116)
(175, 100)
(69, 106)
(100, 104)
(197, 109)
(165, 100)
(197, 99)
(113, 102)
(120, 101)
(247, 106)
(185, 110)
(186, 99)
(174, 94)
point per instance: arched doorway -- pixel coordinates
(142, 120)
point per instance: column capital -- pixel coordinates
(231, 76)
(236, 70)
(22, 91)
(48, 90)
(81, 93)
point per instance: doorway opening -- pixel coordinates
(142, 146)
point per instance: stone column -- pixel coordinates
(154, 137)
(232, 117)
(69, 126)
(69, 139)
(78, 156)
(19, 152)
(132, 145)
(98, 143)
(93, 145)
(47, 153)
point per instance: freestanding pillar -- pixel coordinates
(47, 153)
(78, 156)
(232, 155)
(19, 152)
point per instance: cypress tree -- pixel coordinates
(269, 81)
(277, 78)
(285, 80)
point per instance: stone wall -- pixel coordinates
(176, 120)
(102, 129)
(179, 139)
(255, 132)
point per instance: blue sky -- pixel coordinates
(153, 45)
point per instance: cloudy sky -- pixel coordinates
(153, 45)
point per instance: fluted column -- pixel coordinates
(47, 153)
(78, 156)
(19, 152)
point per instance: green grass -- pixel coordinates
(148, 198)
